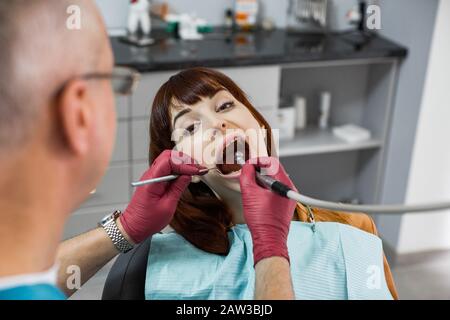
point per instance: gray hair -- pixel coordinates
(38, 53)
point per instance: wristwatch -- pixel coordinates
(109, 224)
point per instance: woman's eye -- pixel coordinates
(225, 106)
(192, 128)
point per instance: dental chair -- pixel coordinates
(126, 279)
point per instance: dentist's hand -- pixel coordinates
(152, 207)
(267, 214)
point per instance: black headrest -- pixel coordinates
(126, 279)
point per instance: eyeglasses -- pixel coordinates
(123, 80)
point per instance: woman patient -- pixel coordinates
(204, 114)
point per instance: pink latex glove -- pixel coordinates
(267, 214)
(152, 207)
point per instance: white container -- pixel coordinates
(286, 123)
(325, 106)
(300, 112)
(352, 133)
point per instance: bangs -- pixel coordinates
(189, 88)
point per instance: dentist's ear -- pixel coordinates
(76, 116)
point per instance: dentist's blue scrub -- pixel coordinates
(32, 292)
(36, 286)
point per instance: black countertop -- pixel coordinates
(222, 49)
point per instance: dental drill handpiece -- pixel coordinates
(283, 190)
(266, 181)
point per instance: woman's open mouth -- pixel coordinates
(227, 165)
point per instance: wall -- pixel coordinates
(430, 168)
(115, 11)
(115, 14)
(411, 23)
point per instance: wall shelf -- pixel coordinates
(316, 141)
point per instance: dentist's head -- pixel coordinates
(57, 113)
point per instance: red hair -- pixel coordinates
(201, 218)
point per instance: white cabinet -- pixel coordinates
(122, 107)
(142, 99)
(140, 137)
(114, 188)
(121, 147)
(261, 84)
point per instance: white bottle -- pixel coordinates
(139, 15)
(325, 106)
(300, 111)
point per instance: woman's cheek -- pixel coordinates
(202, 152)
(209, 154)
(187, 146)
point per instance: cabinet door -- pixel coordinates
(138, 170)
(141, 139)
(145, 92)
(261, 84)
(121, 147)
(122, 106)
(114, 188)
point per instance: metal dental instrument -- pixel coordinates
(163, 179)
(283, 190)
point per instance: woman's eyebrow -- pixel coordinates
(181, 113)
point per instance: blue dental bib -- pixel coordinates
(335, 261)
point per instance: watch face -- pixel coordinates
(105, 220)
(110, 217)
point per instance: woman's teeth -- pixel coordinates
(229, 164)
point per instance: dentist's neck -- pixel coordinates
(31, 222)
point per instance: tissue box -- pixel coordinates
(352, 133)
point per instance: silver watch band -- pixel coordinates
(114, 233)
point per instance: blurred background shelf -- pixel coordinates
(316, 141)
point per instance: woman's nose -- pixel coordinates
(220, 125)
(219, 128)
